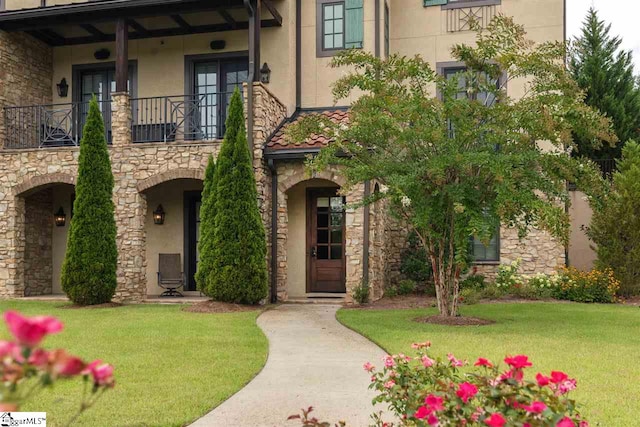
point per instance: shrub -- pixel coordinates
(491, 291)
(391, 291)
(207, 229)
(470, 296)
(89, 267)
(239, 272)
(508, 277)
(361, 293)
(544, 285)
(473, 281)
(413, 263)
(406, 287)
(424, 391)
(615, 225)
(593, 286)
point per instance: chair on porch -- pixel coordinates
(170, 275)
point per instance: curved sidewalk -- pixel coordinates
(313, 361)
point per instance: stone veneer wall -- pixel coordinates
(38, 260)
(26, 69)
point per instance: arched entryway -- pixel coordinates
(44, 211)
(177, 194)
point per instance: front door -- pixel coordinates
(192, 201)
(325, 241)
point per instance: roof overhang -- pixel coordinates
(47, 23)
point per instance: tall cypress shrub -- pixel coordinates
(207, 228)
(89, 268)
(240, 271)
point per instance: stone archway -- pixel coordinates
(170, 175)
(290, 175)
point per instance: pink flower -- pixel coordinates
(557, 377)
(389, 384)
(102, 373)
(454, 361)
(64, 365)
(518, 362)
(29, 331)
(427, 362)
(434, 402)
(565, 422)
(476, 415)
(388, 361)
(567, 386)
(39, 357)
(466, 391)
(432, 420)
(583, 424)
(535, 407)
(422, 412)
(495, 420)
(368, 367)
(483, 362)
(12, 350)
(542, 380)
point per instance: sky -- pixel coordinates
(621, 14)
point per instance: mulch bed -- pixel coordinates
(454, 321)
(220, 307)
(105, 305)
(399, 302)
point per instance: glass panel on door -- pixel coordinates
(205, 103)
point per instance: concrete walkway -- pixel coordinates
(313, 361)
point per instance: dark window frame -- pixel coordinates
(78, 69)
(485, 260)
(320, 50)
(470, 3)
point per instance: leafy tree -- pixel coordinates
(239, 272)
(89, 268)
(461, 163)
(615, 225)
(207, 227)
(605, 73)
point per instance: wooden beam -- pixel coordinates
(92, 30)
(228, 18)
(168, 32)
(55, 37)
(42, 37)
(180, 21)
(122, 55)
(137, 26)
(272, 9)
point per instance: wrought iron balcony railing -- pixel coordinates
(56, 125)
(198, 117)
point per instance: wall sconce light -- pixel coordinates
(102, 54)
(63, 88)
(265, 73)
(60, 218)
(158, 215)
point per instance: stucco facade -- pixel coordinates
(37, 180)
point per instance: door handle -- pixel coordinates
(314, 252)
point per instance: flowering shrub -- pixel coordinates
(26, 368)
(424, 391)
(507, 276)
(593, 286)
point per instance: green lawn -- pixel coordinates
(597, 344)
(171, 366)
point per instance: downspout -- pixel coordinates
(298, 54)
(251, 76)
(274, 231)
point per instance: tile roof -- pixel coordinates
(279, 141)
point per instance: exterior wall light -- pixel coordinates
(63, 88)
(60, 218)
(265, 73)
(158, 215)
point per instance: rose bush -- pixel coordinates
(26, 369)
(428, 391)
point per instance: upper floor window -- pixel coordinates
(455, 4)
(339, 25)
(457, 71)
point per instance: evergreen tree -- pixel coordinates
(605, 73)
(615, 226)
(207, 227)
(239, 271)
(89, 268)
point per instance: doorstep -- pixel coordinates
(320, 298)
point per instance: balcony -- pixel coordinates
(161, 119)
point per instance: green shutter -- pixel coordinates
(434, 2)
(354, 23)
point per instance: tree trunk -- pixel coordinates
(446, 277)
